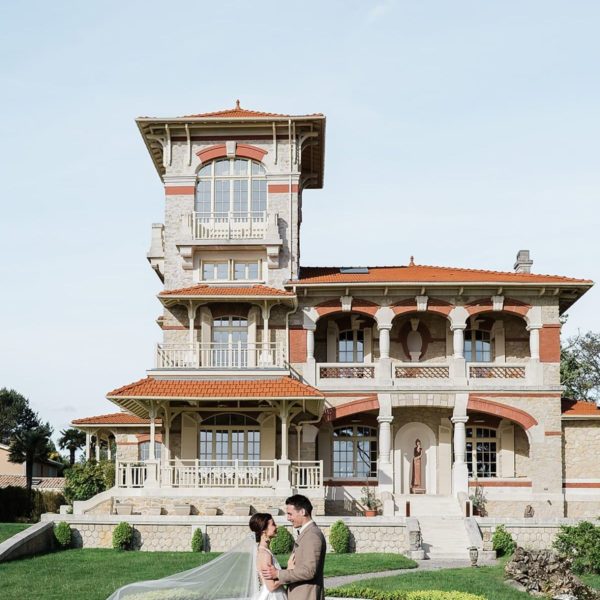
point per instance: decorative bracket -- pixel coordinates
(346, 302)
(421, 303)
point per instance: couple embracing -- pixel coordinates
(304, 574)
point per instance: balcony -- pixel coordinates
(421, 371)
(233, 473)
(220, 356)
(257, 225)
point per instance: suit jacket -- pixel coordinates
(305, 580)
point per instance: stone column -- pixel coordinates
(534, 341)
(458, 341)
(152, 463)
(384, 342)
(310, 345)
(266, 357)
(460, 473)
(310, 373)
(88, 445)
(284, 464)
(97, 446)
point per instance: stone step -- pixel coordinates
(444, 537)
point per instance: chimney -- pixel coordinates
(523, 262)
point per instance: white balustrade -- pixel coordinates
(307, 474)
(241, 355)
(228, 225)
(491, 370)
(421, 370)
(131, 474)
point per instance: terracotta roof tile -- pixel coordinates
(39, 483)
(426, 273)
(118, 418)
(238, 112)
(282, 387)
(209, 290)
(579, 408)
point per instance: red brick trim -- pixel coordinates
(511, 306)
(581, 484)
(522, 395)
(297, 345)
(550, 343)
(522, 484)
(434, 305)
(365, 307)
(212, 152)
(282, 188)
(145, 437)
(351, 408)
(501, 410)
(180, 190)
(552, 433)
(249, 151)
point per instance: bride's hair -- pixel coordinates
(258, 523)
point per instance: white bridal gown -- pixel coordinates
(264, 593)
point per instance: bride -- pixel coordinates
(264, 528)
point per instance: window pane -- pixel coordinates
(205, 171)
(240, 167)
(144, 450)
(257, 169)
(222, 196)
(202, 204)
(208, 271)
(222, 167)
(253, 270)
(222, 271)
(240, 270)
(240, 197)
(343, 458)
(259, 195)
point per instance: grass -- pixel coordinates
(591, 580)
(94, 574)
(9, 529)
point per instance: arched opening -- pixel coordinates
(406, 461)
(420, 337)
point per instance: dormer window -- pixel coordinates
(233, 187)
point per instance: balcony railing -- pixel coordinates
(421, 371)
(346, 371)
(220, 356)
(234, 473)
(228, 225)
(496, 371)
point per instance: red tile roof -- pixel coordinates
(39, 483)
(424, 274)
(579, 408)
(208, 290)
(118, 418)
(241, 113)
(282, 387)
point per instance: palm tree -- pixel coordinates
(72, 440)
(29, 446)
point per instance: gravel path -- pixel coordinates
(424, 565)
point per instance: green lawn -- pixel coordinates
(591, 580)
(94, 574)
(9, 529)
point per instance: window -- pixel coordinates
(478, 346)
(215, 271)
(237, 186)
(230, 342)
(351, 346)
(245, 270)
(229, 437)
(355, 451)
(144, 450)
(482, 451)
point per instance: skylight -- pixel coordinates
(348, 270)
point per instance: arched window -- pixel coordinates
(355, 451)
(231, 185)
(351, 346)
(229, 437)
(144, 450)
(482, 451)
(478, 345)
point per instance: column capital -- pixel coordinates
(462, 419)
(533, 326)
(382, 326)
(385, 419)
(455, 326)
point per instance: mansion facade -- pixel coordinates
(272, 378)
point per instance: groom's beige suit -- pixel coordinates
(305, 580)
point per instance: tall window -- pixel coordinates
(230, 342)
(482, 451)
(351, 346)
(232, 185)
(144, 450)
(229, 437)
(478, 345)
(355, 451)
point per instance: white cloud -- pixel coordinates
(379, 10)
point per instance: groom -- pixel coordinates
(305, 580)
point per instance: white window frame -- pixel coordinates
(355, 352)
(229, 429)
(472, 456)
(354, 439)
(247, 264)
(250, 177)
(471, 340)
(215, 264)
(144, 449)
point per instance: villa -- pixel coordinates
(272, 378)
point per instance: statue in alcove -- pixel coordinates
(416, 480)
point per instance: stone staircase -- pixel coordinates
(443, 530)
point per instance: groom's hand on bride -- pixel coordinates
(269, 572)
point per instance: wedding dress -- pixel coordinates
(265, 594)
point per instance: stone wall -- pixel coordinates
(222, 533)
(581, 440)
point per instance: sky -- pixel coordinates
(457, 131)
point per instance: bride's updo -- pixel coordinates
(258, 523)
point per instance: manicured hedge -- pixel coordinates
(15, 506)
(370, 594)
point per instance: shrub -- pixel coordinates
(62, 534)
(581, 544)
(85, 480)
(339, 537)
(503, 542)
(45, 502)
(16, 506)
(360, 592)
(283, 542)
(122, 537)
(197, 541)
(108, 473)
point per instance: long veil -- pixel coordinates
(230, 576)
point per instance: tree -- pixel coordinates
(15, 413)
(580, 367)
(72, 440)
(30, 446)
